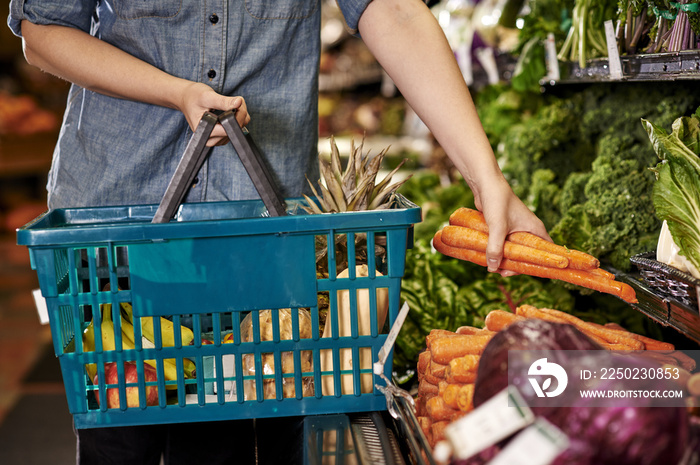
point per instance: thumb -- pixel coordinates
(494, 247)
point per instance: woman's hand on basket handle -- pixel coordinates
(93, 64)
(410, 45)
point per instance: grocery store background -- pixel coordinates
(356, 98)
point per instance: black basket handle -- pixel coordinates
(197, 151)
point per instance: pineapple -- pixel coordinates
(353, 188)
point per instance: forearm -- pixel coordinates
(78, 57)
(410, 45)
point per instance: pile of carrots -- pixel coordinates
(446, 374)
(610, 336)
(466, 237)
(447, 368)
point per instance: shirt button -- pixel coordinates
(214, 18)
(211, 74)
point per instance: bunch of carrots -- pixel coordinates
(446, 374)
(447, 368)
(610, 336)
(466, 237)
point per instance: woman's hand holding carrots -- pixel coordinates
(525, 253)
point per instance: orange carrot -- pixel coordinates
(474, 219)
(423, 362)
(577, 260)
(603, 273)
(496, 320)
(438, 410)
(436, 333)
(465, 401)
(659, 357)
(613, 337)
(649, 343)
(437, 369)
(473, 330)
(528, 311)
(685, 360)
(469, 218)
(462, 369)
(445, 349)
(437, 431)
(578, 277)
(449, 394)
(431, 378)
(426, 388)
(453, 393)
(467, 330)
(424, 423)
(467, 238)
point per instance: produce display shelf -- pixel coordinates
(663, 309)
(683, 65)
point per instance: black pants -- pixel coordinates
(269, 441)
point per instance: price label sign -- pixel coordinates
(494, 420)
(613, 54)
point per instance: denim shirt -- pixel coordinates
(113, 151)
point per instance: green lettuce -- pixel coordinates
(676, 192)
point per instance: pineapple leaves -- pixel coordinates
(355, 187)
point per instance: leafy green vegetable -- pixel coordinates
(530, 68)
(676, 192)
(592, 136)
(614, 217)
(501, 107)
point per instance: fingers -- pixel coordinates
(494, 247)
(218, 136)
(242, 115)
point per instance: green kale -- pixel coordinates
(544, 193)
(573, 190)
(614, 219)
(550, 139)
(501, 107)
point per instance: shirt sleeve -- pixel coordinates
(352, 10)
(77, 14)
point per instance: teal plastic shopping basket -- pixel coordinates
(205, 270)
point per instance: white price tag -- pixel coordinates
(538, 444)
(613, 54)
(551, 60)
(499, 417)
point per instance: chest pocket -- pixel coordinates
(281, 9)
(136, 9)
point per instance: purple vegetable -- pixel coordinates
(598, 435)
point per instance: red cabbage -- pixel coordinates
(598, 435)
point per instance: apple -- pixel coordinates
(228, 338)
(130, 376)
(207, 341)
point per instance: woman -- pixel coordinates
(143, 73)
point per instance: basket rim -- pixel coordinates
(63, 227)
